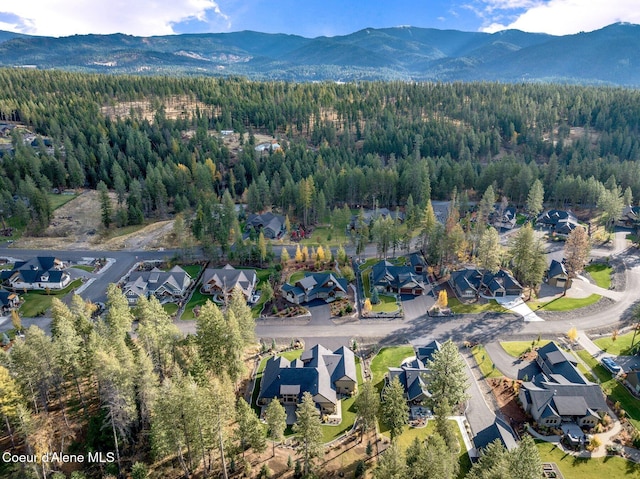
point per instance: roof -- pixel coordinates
(385, 273)
(549, 398)
(556, 268)
(553, 217)
(228, 278)
(141, 283)
(313, 284)
(498, 431)
(315, 372)
(264, 220)
(560, 366)
(411, 373)
(40, 269)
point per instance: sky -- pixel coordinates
(308, 18)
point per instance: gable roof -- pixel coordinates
(312, 284)
(174, 281)
(556, 268)
(36, 270)
(554, 217)
(266, 220)
(411, 373)
(385, 273)
(228, 278)
(560, 366)
(498, 431)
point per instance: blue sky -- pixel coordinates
(309, 18)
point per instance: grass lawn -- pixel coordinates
(56, 201)
(457, 307)
(601, 274)
(564, 303)
(192, 270)
(326, 236)
(612, 388)
(84, 267)
(170, 308)
(485, 364)
(573, 467)
(410, 433)
(391, 356)
(517, 348)
(38, 302)
(387, 304)
(621, 346)
(197, 299)
(263, 276)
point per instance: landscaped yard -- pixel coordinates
(612, 388)
(170, 308)
(484, 362)
(326, 236)
(621, 346)
(581, 468)
(386, 357)
(518, 348)
(564, 304)
(84, 267)
(601, 274)
(387, 304)
(460, 308)
(197, 299)
(38, 302)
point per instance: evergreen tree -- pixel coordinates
(394, 411)
(250, 432)
(367, 405)
(535, 200)
(276, 418)
(105, 204)
(448, 378)
(308, 428)
(391, 464)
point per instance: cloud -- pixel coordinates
(137, 17)
(557, 17)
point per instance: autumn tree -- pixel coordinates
(576, 251)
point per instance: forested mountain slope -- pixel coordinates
(606, 56)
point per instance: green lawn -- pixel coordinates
(564, 303)
(197, 299)
(38, 302)
(484, 362)
(56, 201)
(263, 276)
(192, 270)
(410, 433)
(612, 388)
(326, 236)
(601, 274)
(573, 467)
(391, 356)
(517, 348)
(457, 307)
(84, 267)
(170, 308)
(387, 304)
(621, 346)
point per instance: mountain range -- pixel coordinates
(609, 56)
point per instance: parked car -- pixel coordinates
(611, 365)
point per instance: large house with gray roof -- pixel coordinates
(325, 374)
(167, 286)
(223, 281)
(412, 373)
(313, 286)
(471, 283)
(40, 273)
(387, 277)
(271, 225)
(560, 392)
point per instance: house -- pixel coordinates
(503, 218)
(418, 263)
(271, 225)
(167, 286)
(315, 286)
(559, 222)
(471, 283)
(387, 277)
(324, 374)
(557, 275)
(223, 281)
(40, 273)
(632, 381)
(411, 374)
(561, 393)
(8, 301)
(630, 216)
(498, 431)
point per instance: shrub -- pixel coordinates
(361, 467)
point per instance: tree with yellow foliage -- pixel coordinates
(367, 306)
(305, 254)
(443, 299)
(320, 254)
(572, 334)
(298, 256)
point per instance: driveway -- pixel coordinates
(416, 306)
(518, 306)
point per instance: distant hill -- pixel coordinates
(610, 56)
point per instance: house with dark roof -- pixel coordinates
(630, 216)
(271, 225)
(8, 301)
(223, 281)
(387, 277)
(503, 218)
(168, 286)
(557, 275)
(498, 431)
(632, 381)
(313, 286)
(40, 273)
(418, 263)
(561, 393)
(412, 372)
(325, 374)
(559, 222)
(471, 283)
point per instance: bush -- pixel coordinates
(361, 467)
(139, 471)
(265, 472)
(349, 308)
